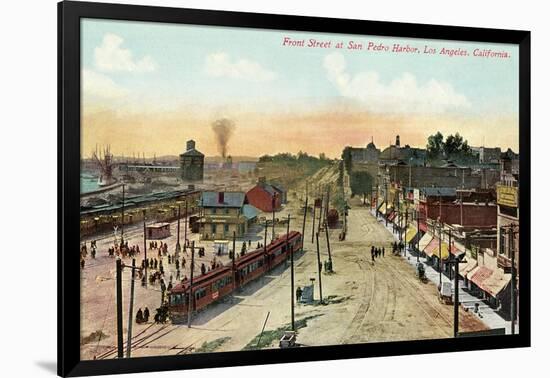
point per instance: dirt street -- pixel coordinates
(365, 301)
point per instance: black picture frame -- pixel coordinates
(69, 15)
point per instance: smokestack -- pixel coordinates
(397, 143)
(220, 197)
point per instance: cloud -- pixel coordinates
(99, 85)
(404, 94)
(111, 57)
(221, 65)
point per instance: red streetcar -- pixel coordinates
(222, 281)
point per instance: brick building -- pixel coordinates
(266, 197)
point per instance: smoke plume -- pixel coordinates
(223, 129)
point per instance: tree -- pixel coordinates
(435, 144)
(361, 183)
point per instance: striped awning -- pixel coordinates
(479, 275)
(496, 282)
(433, 249)
(411, 233)
(466, 267)
(426, 239)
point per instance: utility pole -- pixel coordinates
(304, 224)
(233, 258)
(178, 246)
(313, 228)
(120, 341)
(328, 245)
(456, 299)
(450, 249)
(440, 265)
(319, 269)
(191, 300)
(406, 224)
(291, 251)
(265, 237)
(418, 239)
(185, 227)
(386, 201)
(400, 216)
(273, 220)
(122, 221)
(145, 248)
(131, 312)
(320, 213)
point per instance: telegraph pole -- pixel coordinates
(418, 232)
(178, 246)
(406, 224)
(120, 341)
(319, 269)
(328, 245)
(440, 265)
(313, 228)
(233, 261)
(386, 200)
(456, 301)
(122, 221)
(304, 224)
(185, 228)
(291, 251)
(131, 312)
(145, 248)
(450, 272)
(191, 301)
(273, 220)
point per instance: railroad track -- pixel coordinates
(422, 302)
(136, 340)
(362, 313)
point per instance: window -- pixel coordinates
(200, 293)
(226, 210)
(226, 228)
(214, 210)
(213, 229)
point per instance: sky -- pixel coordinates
(149, 87)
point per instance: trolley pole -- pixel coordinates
(456, 301)
(386, 201)
(120, 341)
(122, 220)
(304, 224)
(319, 269)
(291, 251)
(405, 234)
(191, 301)
(178, 246)
(131, 312)
(273, 218)
(313, 228)
(440, 264)
(418, 233)
(185, 228)
(450, 253)
(145, 248)
(328, 245)
(233, 256)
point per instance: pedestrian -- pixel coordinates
(82, 263)
(299, 292)
(146, 314)
(383, 251)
